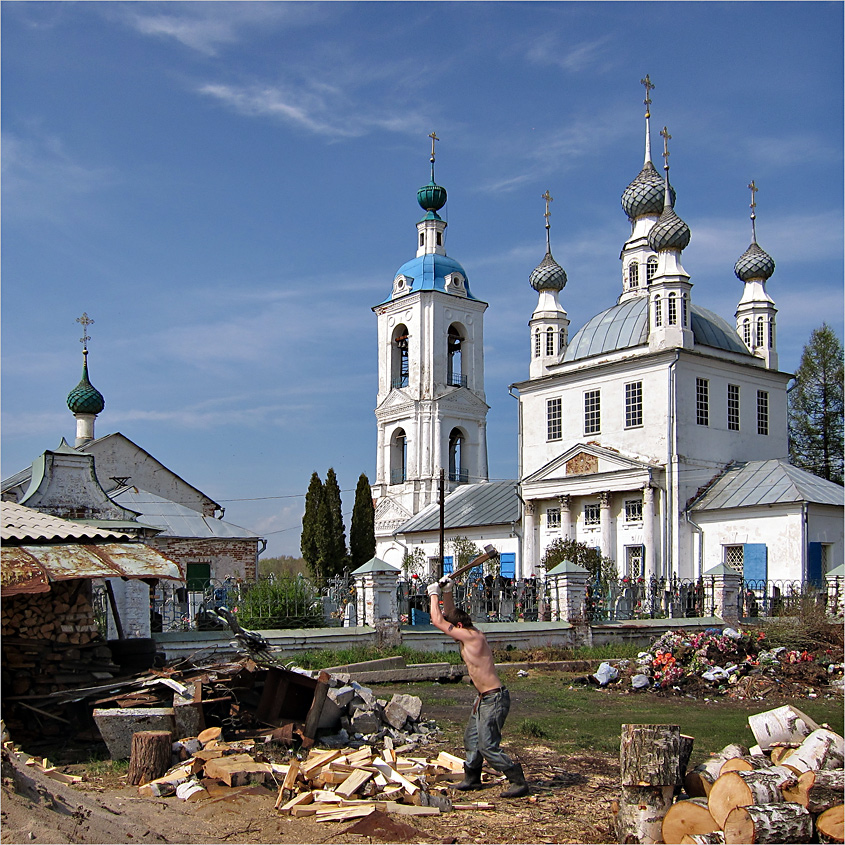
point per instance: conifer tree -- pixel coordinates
(362, 532)
(334, 544)
(816, 407)
(308, 540)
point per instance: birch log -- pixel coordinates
(742, 789)
(822, 749)
(686, 818)
(817, 791)
(717, 837)
(783, 724)
(641, 811)
(768, 823)
(700, 780)
(649, 755)
(746, 763)
(830, 825)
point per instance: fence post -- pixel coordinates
(727, 586)
(836, 591)
(568, 587)
(375, 584)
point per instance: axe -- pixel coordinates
(489, 552)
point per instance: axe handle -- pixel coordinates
(465, 568)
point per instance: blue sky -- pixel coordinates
(228, 188)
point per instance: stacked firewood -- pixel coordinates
(66, 616)
(787, 788)
(329, 784)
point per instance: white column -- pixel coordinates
(648, 532)
(604, 501)
(530, 560)
(380, 479)
(565, 516)
(482, 450)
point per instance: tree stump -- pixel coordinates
(830, 825)
(768, 823)
(817, 791)
(150, 756)
(743, 789)
(641, 811)
(822, 749)
(687, 818)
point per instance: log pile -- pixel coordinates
(788, 788)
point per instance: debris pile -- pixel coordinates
(725, 661)
(787, 788)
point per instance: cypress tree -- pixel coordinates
(335, 556)
(362, 533)
(308, 540)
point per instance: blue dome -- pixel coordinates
(429, 273)
(626, 325)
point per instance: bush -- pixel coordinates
(280, 603)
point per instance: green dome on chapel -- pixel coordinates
(431, 197)
(85, 398)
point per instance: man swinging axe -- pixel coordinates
(484, 730)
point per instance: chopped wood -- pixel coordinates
(744, 789)
(150, 756)
(410, 809)
(209, 734)
(830, 825)
(746, 763)
(781, 751)
(717, 837)
(290, 777)
(296, 801)
(822, 749)
(394, 776)
(237, 770)
(641, 810)
(353, 783)
(687, 817)
(474, 805)
(450, 761)
(304, 810)
(783, 724)
(685, 745)
(317, 761)
(817, 791)
(779, 822)
(343, 813)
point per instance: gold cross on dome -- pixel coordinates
(664, 133)
(433, 136)
(548, 198)
(649, 87)
(754, 190)
(86, 321)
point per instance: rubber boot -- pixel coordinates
(472, 780)
(518, 787)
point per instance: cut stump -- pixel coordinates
(150, 756)
(830, 825)
(743, 789)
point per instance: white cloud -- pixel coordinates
(548, 49)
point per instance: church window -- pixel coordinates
(537, 343)
(633, 510)
(771, 334)
(702, 401)
(746, 332)
(633, 404)
(761, 329)
(554, 419)
(422, 239)
(634, 561)
(685, 312)
(658, 312)
(398, 457)
(650, 269)
(672, 310)
(562, 340)
(439, 238)
(592, 514)
(592, 412)
(457, 472)
(633, 275)
(734, 558)
(762, 412)
(733, 407)
(454, 343)
(399, 357)
(550, 341)
(553, 518)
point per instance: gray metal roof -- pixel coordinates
(487, 503)
(626, 325)
(176, 520)
(771, 482)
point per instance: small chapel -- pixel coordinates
(656, 432)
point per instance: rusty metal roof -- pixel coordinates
(23, 524)
(31, 569)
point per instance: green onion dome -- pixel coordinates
(85, 398)
(431, 197)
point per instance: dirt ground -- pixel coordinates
(569, 803)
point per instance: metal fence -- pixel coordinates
(487, 598)
(614, 600)
(783, 598)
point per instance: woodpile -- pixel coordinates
(65, 615)
(788, 788)
(329, 784)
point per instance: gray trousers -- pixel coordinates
(484, 732)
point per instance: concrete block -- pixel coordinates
(401, 709)
(341, 696)
(365, 722)
(116, 726)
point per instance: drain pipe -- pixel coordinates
(520, 534)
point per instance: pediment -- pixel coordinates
(585, 459)
(390, 512)
(396, 401)
(462, 399)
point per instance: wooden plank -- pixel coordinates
(411, 809)
(312, 720)
(353, 783)
(308, 810)
(317, 761)
(450, 761)
(297, 801)
(394, 777)
(344, 814)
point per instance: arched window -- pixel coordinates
(771, 334)
(685, 313)
(550, 341)
(650, 269)
(672, 310)
(398, 457)
(399, 357)
(562, 345)
(454, 343)
(633, 275)
(658, 312)
(761, 331)
(537, 343)
(746, 332)
(457, 472)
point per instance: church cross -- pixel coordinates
(664, 133)
(649, 87)
(754, 190)
(433, 136)
(548, 198)
(86, 321)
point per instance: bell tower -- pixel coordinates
(431, 412)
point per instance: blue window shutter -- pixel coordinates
(814, 564)
(507, 563)
(755, 566)
(448, 564)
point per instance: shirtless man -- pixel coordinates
(484, 730)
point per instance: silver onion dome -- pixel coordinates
(669, 232)
(645, 195)
(548, 275)
(754, 263)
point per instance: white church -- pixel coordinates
(656, 433)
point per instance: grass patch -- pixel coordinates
(360, 654)
(532, 728)
(101, 767)
(551, 653)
